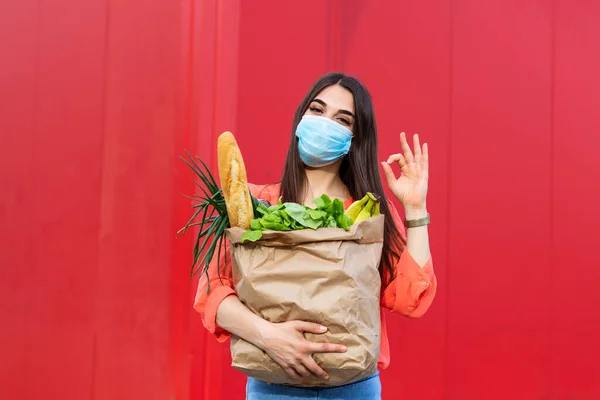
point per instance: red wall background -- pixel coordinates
(100, 98)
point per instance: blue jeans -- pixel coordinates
(368, 388)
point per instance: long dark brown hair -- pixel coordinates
(360, 168)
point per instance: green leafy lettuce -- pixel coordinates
(292, 216)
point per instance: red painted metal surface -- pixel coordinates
(99, 99)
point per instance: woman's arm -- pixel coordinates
(417, 239)
(411, 190)
(235, 317)
(284, 342)
(411, 289)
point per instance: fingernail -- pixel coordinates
(323, 329)
(326, 376)
(344, 348)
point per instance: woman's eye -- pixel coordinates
(316, 110)
(344, 121)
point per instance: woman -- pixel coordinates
(333, 150)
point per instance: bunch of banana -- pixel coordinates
(364, 208)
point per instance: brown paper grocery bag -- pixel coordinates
(329, 276)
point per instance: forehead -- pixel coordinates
(337, 97)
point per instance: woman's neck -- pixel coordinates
(325, 180)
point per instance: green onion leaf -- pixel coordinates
(208, 255)
(221, 240)
(208, 202)
(212, 179)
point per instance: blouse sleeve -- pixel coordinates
(221, 285)
(219, 278)
(411, 289)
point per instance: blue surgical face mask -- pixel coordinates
(322, 141)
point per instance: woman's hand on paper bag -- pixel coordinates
(286, 345)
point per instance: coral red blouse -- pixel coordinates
(409, 293)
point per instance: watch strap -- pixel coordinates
(415, 223)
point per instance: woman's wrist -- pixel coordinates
(261, 326)
(415, 212)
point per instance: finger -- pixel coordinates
(399, 158)
(313, 367)
(425, 161)
(327, 348)
(301, 370)
(389, 173)
(408, 155)
(416, 144)
(417, 148)
(292, 373)
(311, 327)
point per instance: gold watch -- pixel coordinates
(415, 223)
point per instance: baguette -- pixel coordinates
(234, 182)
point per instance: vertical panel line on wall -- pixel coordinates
(551, 185)
(212, 388)
(334, 35)
(35, 116)
(216, 79)
(100, 214)
(177, 386)
(205, 388)
(449, 192)
(190, 71)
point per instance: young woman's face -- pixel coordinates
(336, 103)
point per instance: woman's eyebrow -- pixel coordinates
(346, 112)
(340, 111)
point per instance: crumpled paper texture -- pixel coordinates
(328, 276)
